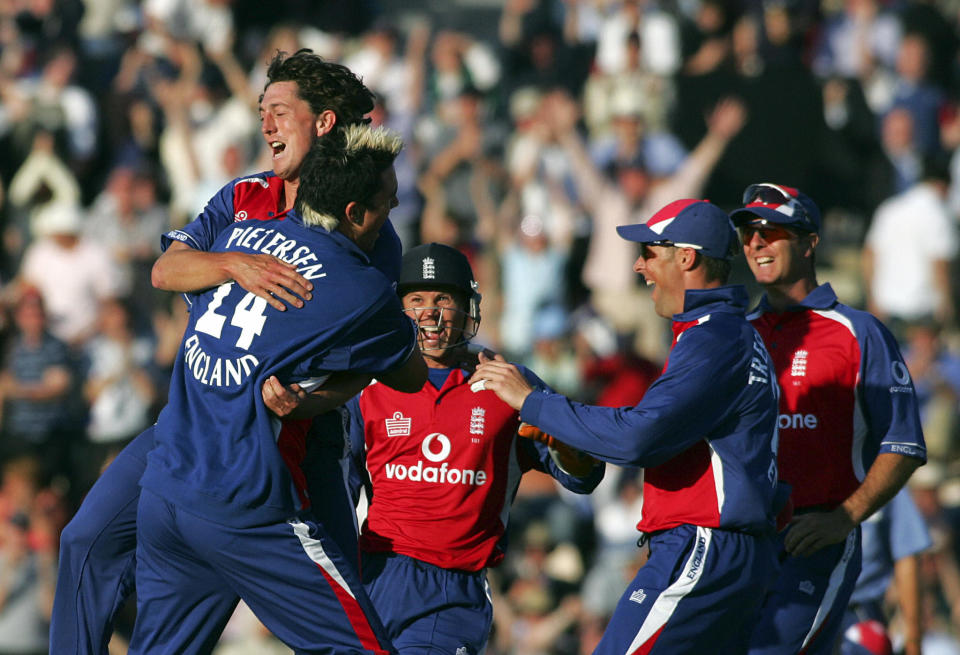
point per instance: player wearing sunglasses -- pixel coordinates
(849, 428)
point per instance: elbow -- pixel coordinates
(159, 277)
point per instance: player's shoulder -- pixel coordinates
(861, 324)
(263, 179)
(719, 328)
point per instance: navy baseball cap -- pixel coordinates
(688, 223)
(779, 204)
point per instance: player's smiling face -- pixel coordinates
(288, 126)
(660, 269)
(440, 320)
(776, 254)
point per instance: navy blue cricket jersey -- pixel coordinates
(217, 452)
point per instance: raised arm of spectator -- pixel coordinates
(42, 168)
(723, 123)
(561, 113)
(415, 57)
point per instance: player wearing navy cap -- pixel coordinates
(848, 422)
(305, 97)
(705, 435)
(440, 468)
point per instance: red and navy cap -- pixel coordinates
(688, 223)
(778, 204)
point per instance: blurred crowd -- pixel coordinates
(532, 128)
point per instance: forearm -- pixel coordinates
(588, 180)
(337, 390)
(885, 478)
(182, 268)
(941, 278)
(907, 576)
(622, 436)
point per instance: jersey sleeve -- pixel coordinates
(201, 232)
(681, 407)
(888, 396)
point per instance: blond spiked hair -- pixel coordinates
(342, 167)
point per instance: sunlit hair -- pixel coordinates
(344, 166)
(323, 85)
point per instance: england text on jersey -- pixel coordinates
(216, 371)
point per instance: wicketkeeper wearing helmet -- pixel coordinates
(440, 468)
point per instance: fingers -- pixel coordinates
(272, 393)
(279, 399)
(274, 280)
(803, 538)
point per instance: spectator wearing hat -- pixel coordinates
(705, 433)
(849, 427)
(73, 273)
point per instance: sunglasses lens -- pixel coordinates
(765, 194)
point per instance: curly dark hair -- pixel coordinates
(323, 85)
(342, 167)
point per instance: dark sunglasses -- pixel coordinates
(769, 194)
(769, 232)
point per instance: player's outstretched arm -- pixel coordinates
(182, 268)
(293, 402)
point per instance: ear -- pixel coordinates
(814, 240)
(325, 122)
(686, 258)
(354, 212)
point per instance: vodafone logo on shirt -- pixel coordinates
(436, 448)
(798, 422)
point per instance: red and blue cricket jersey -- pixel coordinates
(441, 469)
(846, 396)
(217, 451)
(705, 431)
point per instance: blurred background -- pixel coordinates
(532, 128)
